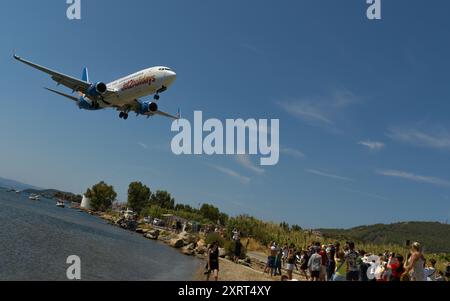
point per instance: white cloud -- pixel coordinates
(143, 145)
(328, 175)
(231, 173)
(292, 152)
(246, 162)
(320, 111)
(438, 138)
(414, 177)
(373, 145)
(306, 111)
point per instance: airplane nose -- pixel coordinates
(171, 76)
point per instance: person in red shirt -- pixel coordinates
(397, 267)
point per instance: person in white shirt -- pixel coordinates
(430, 271)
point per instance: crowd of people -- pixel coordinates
(334, 262)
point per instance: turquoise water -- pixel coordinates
(37, 237)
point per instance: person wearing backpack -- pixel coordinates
(351, 258)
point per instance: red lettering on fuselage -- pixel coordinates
(148, 80)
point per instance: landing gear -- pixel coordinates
(163, 88)
(123, 115)
(96, 105)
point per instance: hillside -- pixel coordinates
(53, 193)
(435, 237)
(8, 183)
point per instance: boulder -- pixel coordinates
(222, 252)
(152, 234)
(201, 250)
(176, 243)
(188, 250)
(201, 243)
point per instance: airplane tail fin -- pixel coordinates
(85, 76)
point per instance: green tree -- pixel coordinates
(101, 196)
(138, 196)
(210, 212)
(296, 228)
(153, 211)
(163, 199)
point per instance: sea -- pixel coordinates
(37, 238)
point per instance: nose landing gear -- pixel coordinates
(123, 115)
(163, 88)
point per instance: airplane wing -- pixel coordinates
(62, 79)
(167, 115)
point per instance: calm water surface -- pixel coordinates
(37, 237)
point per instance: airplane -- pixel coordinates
(123, 94)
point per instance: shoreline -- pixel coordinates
(194, 245)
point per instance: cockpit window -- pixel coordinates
(164, 69)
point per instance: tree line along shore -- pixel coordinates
(207, 224)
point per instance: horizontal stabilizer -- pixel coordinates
(64, 94)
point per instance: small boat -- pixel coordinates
(34, 197)
(60, 204)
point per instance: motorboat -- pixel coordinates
(34, 197)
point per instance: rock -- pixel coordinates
(243, 262)
(201, 243)
(248, 260)
(190, 247)
(201, 250)
(228, 257)
(139, 230)
(152, 234)
(222, 252)
(164, 238)
(188, 250)
(176, 243)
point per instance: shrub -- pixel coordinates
(229, 249)
(214, 236)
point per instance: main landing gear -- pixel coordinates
(123, 115)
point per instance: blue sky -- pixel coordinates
(363, 106)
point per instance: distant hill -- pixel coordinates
(13, 184)
(435, 237)
(54, 193)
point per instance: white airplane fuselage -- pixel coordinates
(140, 84)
